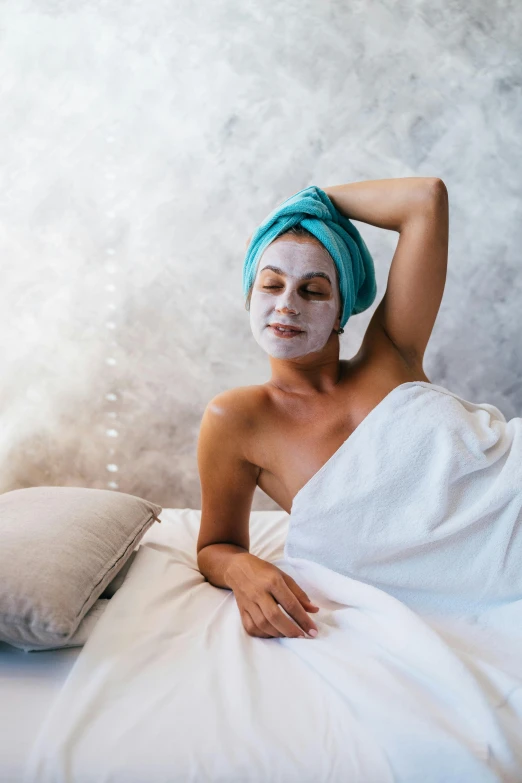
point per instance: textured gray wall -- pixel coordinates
(142, 142)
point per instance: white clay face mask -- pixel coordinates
(312, 306)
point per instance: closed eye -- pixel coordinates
(307, 290)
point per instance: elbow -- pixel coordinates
(436, 190)
(432, 198)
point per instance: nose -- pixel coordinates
(285, 309)
(287, 302)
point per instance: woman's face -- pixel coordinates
(303, 293)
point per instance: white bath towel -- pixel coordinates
(424, 501)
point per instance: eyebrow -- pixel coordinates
(307, 276)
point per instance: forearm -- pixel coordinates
(386, 203)
(214, 561)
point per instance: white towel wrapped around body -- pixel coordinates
(424, 501)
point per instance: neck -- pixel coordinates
(307, 375)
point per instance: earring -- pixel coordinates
(340, 331)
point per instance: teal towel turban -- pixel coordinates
(313, 209)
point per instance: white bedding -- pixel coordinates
(170, 687)
(29, 682)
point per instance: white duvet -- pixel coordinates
(169, 686)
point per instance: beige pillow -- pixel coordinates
(90, 619)
(60, 547)
(83, 631)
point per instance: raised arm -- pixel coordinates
(416, 207)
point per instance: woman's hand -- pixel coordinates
(259, 587)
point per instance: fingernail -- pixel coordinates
(312, 632)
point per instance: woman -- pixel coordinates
(277, 435)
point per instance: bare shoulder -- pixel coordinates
(230, 422)
(237, 408)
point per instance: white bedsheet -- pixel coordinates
(170, 687)
(29, 682)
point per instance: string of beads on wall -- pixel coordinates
(111, 269)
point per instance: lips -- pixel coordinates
(282, 328)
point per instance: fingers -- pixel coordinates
(279, 621)
(296, 598)
(257, 623)
(297, 590)
(251, 627)
(263, 626)
(267, 620)
(282, 593)
(274, 605)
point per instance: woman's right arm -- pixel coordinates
(228, 482)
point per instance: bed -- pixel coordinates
(28, 684)
(170, 687)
